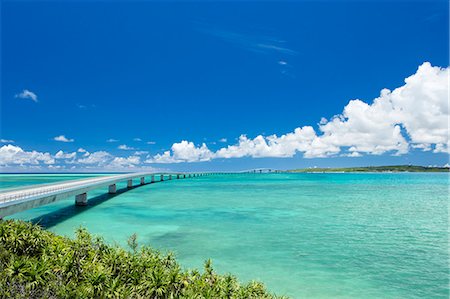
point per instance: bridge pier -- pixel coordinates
(112, 189)
(12, 201)
(81, 199)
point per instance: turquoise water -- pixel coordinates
(303, 235)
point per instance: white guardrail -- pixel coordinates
(13, 195)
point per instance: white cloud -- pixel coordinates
(353, 154)
(26, 94)
(112, 140)
(138, 153)
(223, 140)
(137, 139)
(55, 167)
(13, 155)
(121, 162)
(6, 141)
(63, 138)
(62, 155)
(413, 115)
(420, 107)
(282, 62)
(125, 147)
(99, 158)
(183, 151)
(14, 158)
(271, 146)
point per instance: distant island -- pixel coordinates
(393, 168)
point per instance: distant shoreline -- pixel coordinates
(373, 169)
(363, 169)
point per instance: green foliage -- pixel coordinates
(394, 168)
(35, 263)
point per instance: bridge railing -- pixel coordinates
(20, 194)
(38, 190)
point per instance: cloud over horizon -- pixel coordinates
(413, 115)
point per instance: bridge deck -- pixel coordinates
(19, 199)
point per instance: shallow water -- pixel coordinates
(304, 235)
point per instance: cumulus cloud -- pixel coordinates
(14, 158)
(27, 95)
(420, 107)
(183, 151)
(125, 147)
(414, 115)
(128, 162)
(62, 155)
(271, 146)
(14, 155)
(63, 138)
(102, 160)
(99, 158)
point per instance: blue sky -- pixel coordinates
(152, 74)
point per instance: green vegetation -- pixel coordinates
(395, 168)
(35, 263)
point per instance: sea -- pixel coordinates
(304, 235)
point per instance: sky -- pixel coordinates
(196, 86)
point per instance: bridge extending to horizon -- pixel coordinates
(23, 198)
(28, 197)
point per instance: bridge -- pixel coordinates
(20, 199)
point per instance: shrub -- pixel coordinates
(35, 263)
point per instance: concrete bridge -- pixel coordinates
(261, 170)
(20, 199)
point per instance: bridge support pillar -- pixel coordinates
(153, 178)
(178, 176)
(130, 184)
(189, 175)
(81, 199)
(162, 177)
(142, 180)
(112, 189)
(184, 176)
(170, 176)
